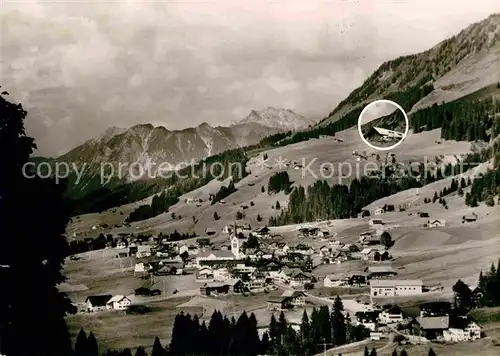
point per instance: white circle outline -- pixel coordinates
(384, 101)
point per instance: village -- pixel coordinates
(257, 263)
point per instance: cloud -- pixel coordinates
(81, 67)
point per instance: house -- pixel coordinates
(205, 273)
(368, 319)
(97, 302)
(436, 223)
(118, 302)
(438, 308)
(264, 231)
(395, 288)
(391, 315)
(468, 331)
(468, 218)
(278, 303)
(378, 211)
(221, 274)
(214, 255)
(236, 285)
(336, 280)
(373, 222)
(140, 268)
(143, 251)
(210, 231)
(298, 278)
(431, 328)
(122, 255)
(380, 271)
(297, 298)
(381, 134)
(228, 229)
(423, 214)
(214, 288)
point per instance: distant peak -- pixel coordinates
(143, 126)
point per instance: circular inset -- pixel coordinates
(398, 107)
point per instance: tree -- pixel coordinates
(141, 351)
(386, 239)
(435, 197)
(463, 296)
(39, 267)
(277, 205)
(239, 215)
(262, 189)
(216, 216)
(367, 352)
(394, 353)
(403, 353)
(373, 352)
(376, 256)
(431, 352)
(158, 349)
(92, 348)
(259, 218)
(81, 343)
(339, 330)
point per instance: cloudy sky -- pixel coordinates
(83, 66)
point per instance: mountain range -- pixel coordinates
(150, 146)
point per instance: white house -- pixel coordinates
(378, 211)
(390, 317)
(221, 275)
(394, 287)
(471, 332)
(143, 251)
(335, 280)
(436, 223)
(214, 255)
(118, 302)
(139, 268)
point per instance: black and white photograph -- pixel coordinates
(250, 178)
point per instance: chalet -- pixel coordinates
(205, 273)
(143, 251)
(336, 280)
(169, 269)
(423, 214)
(431, 328)
(236, 285)
(210, 231)
(303, 249)
(381, 134)
(395, 288)
(97, 302)
(391, 315)
(465, 329)
(371, 240)
(214, 255)
(298, 278)
(306, 231)
(132, 249)
(436, 223)
(325, 250)
(468, 218)
(221, 274)
(214, 288)
(373, 222)
(118, 302)
(375, 272)
(438, 308)
(263, 231)
(297, 298)
(378, 211)
(368, 319)
(278, 303)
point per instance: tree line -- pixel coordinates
(460, 120)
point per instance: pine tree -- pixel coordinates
(305, 334)
(158, 349)
(141, 351)
(373, 352)
(265, 345)
(92, 348)
(262, 189)
(367, 352)
(274, 335)
(394, 353)
(277, 205)
(81, 344)
(431, 352)
(403, 353)
(338, 322)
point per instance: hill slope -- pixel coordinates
(456, 67)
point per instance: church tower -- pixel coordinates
(235, 247)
